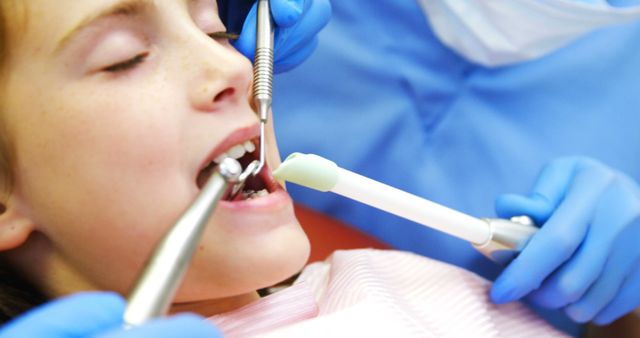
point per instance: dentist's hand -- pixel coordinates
(586, 256)
(99, 315)
(297, 25)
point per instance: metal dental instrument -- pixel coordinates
(263, 71)
(158, 282)
(498, 239)
(262, 84)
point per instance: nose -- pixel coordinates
(222, 77)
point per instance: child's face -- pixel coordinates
(111, 125)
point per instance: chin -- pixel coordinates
(275, 259)
(246, 266)
(283, 262)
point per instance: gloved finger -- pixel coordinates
(291, 43)
(186, 325)
(80, 315)
(551, 184)
(557, 240)
(546, 195)
(626, 301)
(289, 40)
(286, 12)
(536, 206)
(623, 261)
(613, 213)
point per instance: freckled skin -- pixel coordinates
(106, 158)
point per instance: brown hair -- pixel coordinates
(16, 294)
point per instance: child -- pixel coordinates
(112, 115)
(132, 103)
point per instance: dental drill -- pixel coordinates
(156, 286)
(498, 239)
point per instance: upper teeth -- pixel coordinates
(236, 151)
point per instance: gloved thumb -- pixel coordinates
(536, 206)
(547, 193)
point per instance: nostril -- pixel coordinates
(223, 95)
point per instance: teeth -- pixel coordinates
(250, 194)
(237, 151)
(220, 158)
(249, 146)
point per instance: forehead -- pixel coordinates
(45, 23)
(50, 24)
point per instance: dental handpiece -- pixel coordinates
(498, 239)
(263, 71)
(163, 272)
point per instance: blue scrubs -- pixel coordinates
(383, 97)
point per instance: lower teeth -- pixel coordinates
(250, 194)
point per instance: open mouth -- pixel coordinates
(255, 186)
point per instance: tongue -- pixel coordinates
(255, 183)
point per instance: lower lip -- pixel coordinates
(257, 216)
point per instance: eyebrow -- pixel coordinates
(125, 8)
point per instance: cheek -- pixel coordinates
(100, 147)
(102, 179)
(111, 125)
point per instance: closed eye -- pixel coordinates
(138, 59)
(128, 64)
(223, 35)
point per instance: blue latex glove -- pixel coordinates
(297, 25)
(585, 258)
(99, 315)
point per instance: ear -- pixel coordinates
(14, 227)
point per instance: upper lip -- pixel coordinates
(238, 136)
